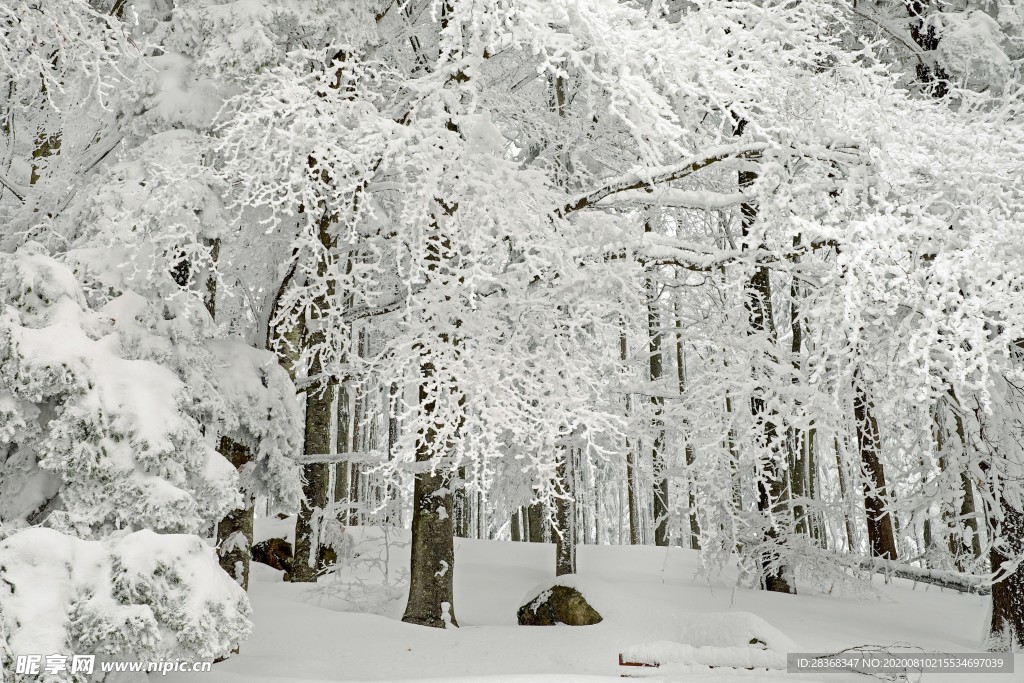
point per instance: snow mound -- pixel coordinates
(735, 630)
(668, 653)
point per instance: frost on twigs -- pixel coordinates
(371, 573)
(136, 596)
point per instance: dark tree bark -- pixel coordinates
(801, 471)
(340, 495)
(1006, 632)
(309, 556)
(565, 522)
(460, 503)
(635, 537)
(734, 458)
(316, 479)
(535, 521)
(968, 514)
(234, 532)
(656, 368)
(1005, 518)
(932, 76)
(431, 574)
(46, 146)
(880, 523)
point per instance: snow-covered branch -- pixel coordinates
(648, 178)
(677, 198)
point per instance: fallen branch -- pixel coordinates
(962, 583)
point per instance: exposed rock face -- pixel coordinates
(558, 605)
(274, 552)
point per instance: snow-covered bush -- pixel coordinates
(90, 429)
(110, 406)
(140, 595)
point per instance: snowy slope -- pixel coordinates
(646, 594)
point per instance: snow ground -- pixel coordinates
(646, 594)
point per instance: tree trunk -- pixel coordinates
(565, 523)
(880, 523)
(516, 531)
(460, 504)
(691, 479)
(431, 593)
(1006, 632)
(734, 457)
(771, 483)
(309, 557)
(656, 367)
(845, 496)
(800, 473)
(356, 504)
(342, 485)
(234, 532)
(968, 511)
(393, 513)
(1005, 514)
(631, 483)
(432, 570)
(535, 520)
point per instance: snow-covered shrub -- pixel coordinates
(140, 595)
(111, 403)
(91, 429)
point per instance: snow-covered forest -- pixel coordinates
(317, 315)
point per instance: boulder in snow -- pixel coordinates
(274, 552)
(558, 604)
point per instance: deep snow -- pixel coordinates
(646, 594)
